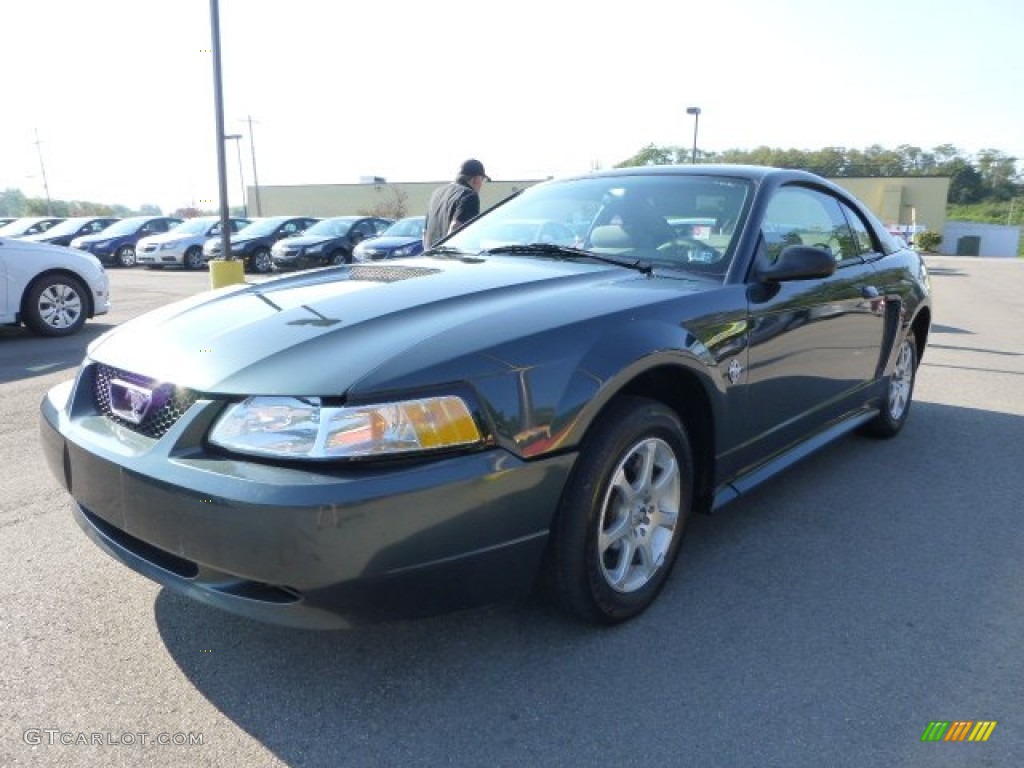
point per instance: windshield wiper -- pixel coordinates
(444, 250)
(568, 252)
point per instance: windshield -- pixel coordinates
(125, 226)
(330, 227)
(410, 227)
(262, 227)
(194, 226)
(66, 227)
(680, 221)
(17, 226)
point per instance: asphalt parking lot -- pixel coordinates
(825, 620)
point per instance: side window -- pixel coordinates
(865, 244)
(290, 228)
(804, 216)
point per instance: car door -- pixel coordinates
(814, 344)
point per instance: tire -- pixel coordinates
(193, 258)
(338, 257)
(55, 305)
(618, 530)
(125, 256)
(899, 393)
(260, 262)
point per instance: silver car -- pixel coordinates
(183, 245)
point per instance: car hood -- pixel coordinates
(99, 237)
(46, 256)
(333, 331)
(302, 241)
(169, 237)
(389, 242)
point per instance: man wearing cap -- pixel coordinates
(455, 203)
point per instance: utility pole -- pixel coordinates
(42, 168)
(255, 178)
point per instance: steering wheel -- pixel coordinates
(694, 251)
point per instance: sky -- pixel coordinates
(119, 94)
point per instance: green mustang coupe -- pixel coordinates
(542, 400)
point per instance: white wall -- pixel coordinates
(996, 239)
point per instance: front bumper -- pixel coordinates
(302, 261)
(158, 255)
(317, 547)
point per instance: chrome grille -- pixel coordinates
(168, 405)
(385, 273)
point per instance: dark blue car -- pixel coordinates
(403, 238)
(116, 244)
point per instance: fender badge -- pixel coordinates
(129, 401)
(735, 371)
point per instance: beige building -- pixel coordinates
(900, 202)
(355, 199)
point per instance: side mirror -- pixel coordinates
(798, 262)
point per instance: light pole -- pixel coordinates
(42, 169)
(255, 178)
(695, 111)
(237, 138)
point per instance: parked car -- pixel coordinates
(403, 238)
(183, 245)
(5, 221)
(69, 229)
(449, 429)
(253, 243)
(50, 289)
(330, 241)
(29, 225)
(116, 244)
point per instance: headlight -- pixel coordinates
(168, 246)
(302, 428)
(406, 250)
(313, 248)
(237, 247)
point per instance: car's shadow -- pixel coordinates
(24, 355)
(805, 601)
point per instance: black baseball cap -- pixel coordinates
(472, 168)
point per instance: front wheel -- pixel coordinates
(261, 262)
(339, 257)
(55, 305)
(126, 256)
(621, 518)
(896, 408)
(193, 257)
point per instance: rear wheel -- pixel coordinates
(193, 257)
(622, 514)
(55, 305)
(896, 407)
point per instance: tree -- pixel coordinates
(966, 185)
(394, 203)
(652, 155)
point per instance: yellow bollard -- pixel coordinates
(223, 272)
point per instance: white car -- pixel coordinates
(49, 288)
(183, 245)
